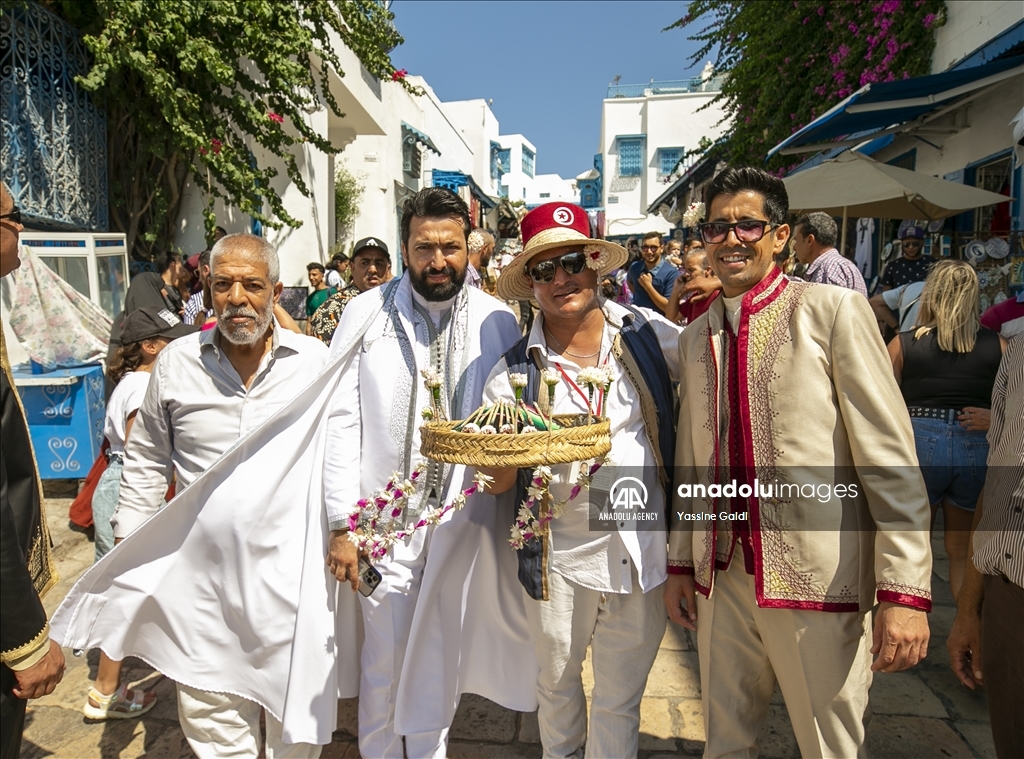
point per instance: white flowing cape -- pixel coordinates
(226, 590)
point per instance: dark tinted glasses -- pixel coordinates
(14, 216)
(749, 230)
(571, 263)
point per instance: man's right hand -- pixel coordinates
(343, 558)
(964, 645)
(42, 677)
(679, 592)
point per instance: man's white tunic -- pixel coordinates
(469, 630)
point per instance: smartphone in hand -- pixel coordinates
(369, 578)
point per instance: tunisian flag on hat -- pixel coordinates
(556, 225)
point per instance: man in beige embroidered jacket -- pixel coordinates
(786, 388)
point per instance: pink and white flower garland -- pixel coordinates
(528, 527)
(374, 527)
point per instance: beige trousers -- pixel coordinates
(623, 631)
(821, 661)
(220, 725)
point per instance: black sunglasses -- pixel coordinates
(749, 230)
(571, 263)
(14, 215)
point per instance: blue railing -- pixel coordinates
(668, 87)
(53, 138)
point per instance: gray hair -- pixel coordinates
(253, 246)
(821, 225)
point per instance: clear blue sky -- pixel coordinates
(546, 65)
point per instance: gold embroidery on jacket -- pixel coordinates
(40, 559)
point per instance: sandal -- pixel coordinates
(121, 704)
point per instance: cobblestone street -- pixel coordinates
(922, 713)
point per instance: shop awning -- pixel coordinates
(890, 107)
(414, 134)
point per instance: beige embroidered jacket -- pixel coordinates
(818, 406)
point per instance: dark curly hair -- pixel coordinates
(127, 359)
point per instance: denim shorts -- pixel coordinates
(953, 461)
(104, 501)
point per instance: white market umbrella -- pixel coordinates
(855, 184)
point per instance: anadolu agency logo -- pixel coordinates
(626, 506)
(628, 493)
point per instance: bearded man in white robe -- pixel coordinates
(446, 618)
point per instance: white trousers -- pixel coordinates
(821, 661)
(387, 620)
(220, 725)
(625, 631)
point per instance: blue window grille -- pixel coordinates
(529, 159)
(668, 158)
(503, 191)
(504, 161)
(53, 148)
(495, 161)
(631, 156)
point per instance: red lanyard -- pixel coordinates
(584, 396)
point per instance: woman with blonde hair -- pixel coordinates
(946, 366)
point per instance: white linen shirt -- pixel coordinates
(196, 407)
(602, 560)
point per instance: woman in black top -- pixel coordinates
(946, 367)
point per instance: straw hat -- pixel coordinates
(556, 225)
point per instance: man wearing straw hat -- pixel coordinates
(591, 581)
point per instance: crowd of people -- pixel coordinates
(722, 373)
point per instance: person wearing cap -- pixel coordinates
(445, 618)
(31, 665)
(588, 584)
(912, 265)
(218, 607)
(371, 267)
(145, 333)
(788, 383)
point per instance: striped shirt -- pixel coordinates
(831, 268)
(999, 539)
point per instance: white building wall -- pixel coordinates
(520, 184)
(666, 121)
(361, 98)
(547, 188)
(969, 25)
(989, 132)
(479, 127)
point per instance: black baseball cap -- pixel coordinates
(369, 242)
(144, 323)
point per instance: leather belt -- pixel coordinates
(947, 415)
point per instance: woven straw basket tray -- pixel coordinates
(576, 441)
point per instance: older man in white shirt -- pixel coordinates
(207, 391)
(586, 583)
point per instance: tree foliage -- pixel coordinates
(192, 86)
(347, 192)
(789, 61)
